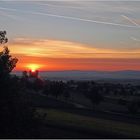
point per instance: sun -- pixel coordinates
(33, 70)
(33, 67)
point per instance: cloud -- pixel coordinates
(71, 18)
(47, 48)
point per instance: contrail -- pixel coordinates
(72, 18)
(10, 16)
(52, 5)
(86, 20)
(135, 39)
(130, 20)
(70, 7)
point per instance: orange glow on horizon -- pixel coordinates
(53, 55)
(58, 64)
(33, 67)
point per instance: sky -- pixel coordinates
(73, 35)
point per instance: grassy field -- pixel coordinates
(58, 117)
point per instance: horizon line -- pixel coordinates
(78, 70)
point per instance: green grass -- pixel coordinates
(92, 123)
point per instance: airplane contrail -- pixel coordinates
(70, 7)
(72, 18)
(135, 39)
(52, 5)
(10, 16)
(130, 20)
(86, 20)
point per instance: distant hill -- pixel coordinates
(87, 75)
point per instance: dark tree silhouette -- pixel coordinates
(3, 38)
(133, 107)
(56, 88)
(94, 95)
(7, 62)
(16, 116)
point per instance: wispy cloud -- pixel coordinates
(130, 20)
(65, 49)
(70, 18)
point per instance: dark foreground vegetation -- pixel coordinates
(33, 108)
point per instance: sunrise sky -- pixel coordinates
(73, 35)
